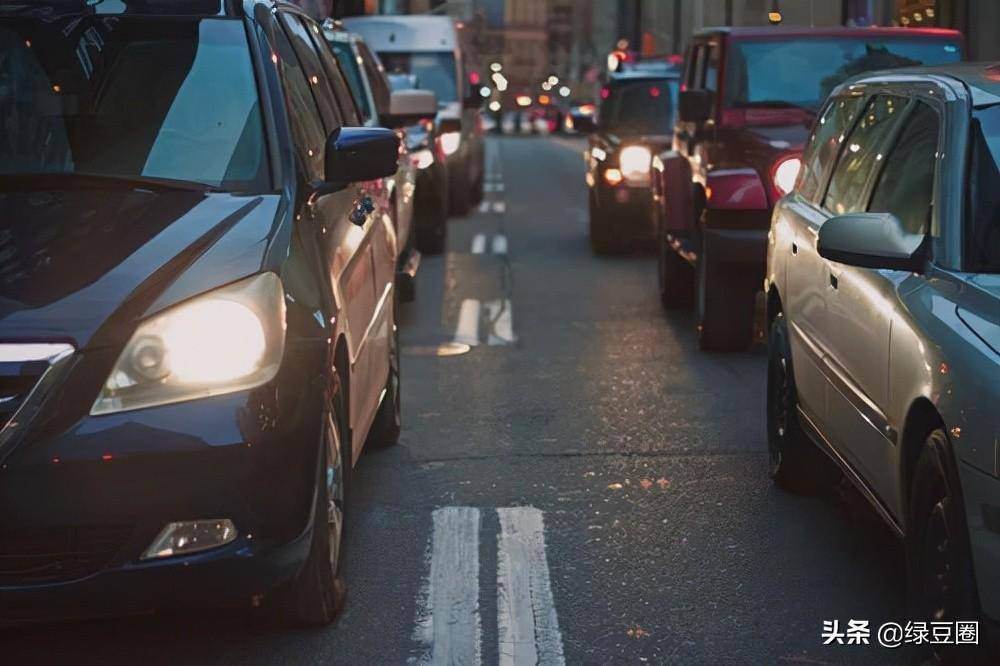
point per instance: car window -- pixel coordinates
(308, 133)
(861, 153)
(309, 59)
(698, 69)
(376, 75)
(689, 67)
(982, 231)
(434, 70)
(352, 72)
(643, 106)
(905, 187)
(824, 143)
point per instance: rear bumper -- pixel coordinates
(628, 209)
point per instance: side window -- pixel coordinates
(862, 153)
(821, 150)
(905, 187)
(308, 132)
(712, 71)
(306, 51)
(376, 76)
(343, 86)
(695, 77)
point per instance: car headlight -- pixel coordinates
(635, 162)
(227, 340)
(450, 142)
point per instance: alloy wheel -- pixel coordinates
(334, 490)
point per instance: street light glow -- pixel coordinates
(564, 91)
(496, 67)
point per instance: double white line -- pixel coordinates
(448, 622)
(498, 244)
(491, 322)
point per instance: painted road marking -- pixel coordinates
(499, 245)
(467, 331)
(501, 319)
(448, 624)
(499, 207)
(478, 243)
(493, 187)
(527, 625)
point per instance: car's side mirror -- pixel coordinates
(695, 106)
(356, 154)
(409, 107)
(871, 240)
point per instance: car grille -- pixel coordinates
(42, 555)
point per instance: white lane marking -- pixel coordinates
(501, 318)
(484, 206)
(499, 245)
(448, 624)
(499, 207)
(528, 627)
(467, 330)
(493, 187)
(478, 243)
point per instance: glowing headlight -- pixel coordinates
(450, 141)
(422, 158)
(786, 173)
(228, 340)
(635, 162)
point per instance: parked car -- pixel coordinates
(883, 293)
(634, 123)
(378, 106)
(440, 54)
(750, 97)
(197, 314)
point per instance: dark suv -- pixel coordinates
(750, 96)
(197, 307)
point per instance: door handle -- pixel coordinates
(795, 248)
(834, 281)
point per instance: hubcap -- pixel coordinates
(334, 490)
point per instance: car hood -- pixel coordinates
(82, 266)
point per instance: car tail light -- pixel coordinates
(785, 172)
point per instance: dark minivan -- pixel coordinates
(197, 308)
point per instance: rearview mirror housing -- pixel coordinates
(409, 107)
(871, 240)
(695, 106)
(356, 154)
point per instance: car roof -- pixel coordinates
(779, 31)
(982, 79)
(645, 69)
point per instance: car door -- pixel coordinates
(346, 244)
(864, 301)
(804, 298)
(855, 341)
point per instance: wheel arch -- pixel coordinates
(774, 305)
(922, 418)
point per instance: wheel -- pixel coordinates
(725, 306)
(388, 421)
(431, 223)
(796, 465)
(940, 576)
(676, 277)
(460, 191)
(316, 596)
(600, 233)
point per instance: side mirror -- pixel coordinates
(409, 107)
(356, 154)
(695, 106)
(449, 125)
(871, 240)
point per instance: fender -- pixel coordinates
(735, 189)
(676, 196)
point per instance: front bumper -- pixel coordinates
(628, 208)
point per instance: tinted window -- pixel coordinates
(828, 134)
(309, 59)
(905, 187)
(376, 76)
(334, 76)
(804, 71)
(352, 70)
(434, 71)
(861, 153)
(307, 128)
(79, 112)
(638, 107)
(982, 233)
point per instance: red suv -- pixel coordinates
(748, 99)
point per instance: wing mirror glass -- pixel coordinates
(695, 106)
(409, 107)
(871, 240)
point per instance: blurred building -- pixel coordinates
(526, 54)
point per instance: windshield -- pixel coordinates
(639, 107)
(803, 72)
(130, 97)
(435, 71)
(352, 70)
(983, 231)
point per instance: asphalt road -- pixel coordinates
(582, 486)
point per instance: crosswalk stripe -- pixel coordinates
(499, 245)
(499, 207)
(500, 314)
(527, 624)
(467, 330)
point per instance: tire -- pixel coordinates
(796, 465)
(316, 595)
(431, 223)
(675, 276)
(940, 576)
(460, 192)
(600, 232)
(478, 189)
(388, 421)
(725, 306)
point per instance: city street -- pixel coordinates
(582, 460)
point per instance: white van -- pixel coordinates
(433, 49)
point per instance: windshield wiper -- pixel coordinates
(76, 179)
